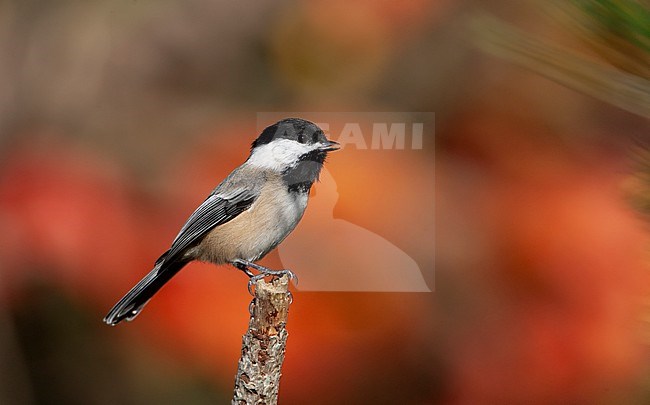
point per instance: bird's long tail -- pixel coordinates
(132, 303)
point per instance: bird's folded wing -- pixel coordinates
(216, 210)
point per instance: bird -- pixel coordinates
(247, 215)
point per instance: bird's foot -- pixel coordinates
(245, 266)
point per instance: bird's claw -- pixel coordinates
(271, 273)
(251, 306)
(252, 282)
(245, 266)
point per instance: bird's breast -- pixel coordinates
(256, 231)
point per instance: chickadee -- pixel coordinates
(247, 215)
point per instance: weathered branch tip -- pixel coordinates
(264, 344)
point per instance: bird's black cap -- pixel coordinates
(295, 129)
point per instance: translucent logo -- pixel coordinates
(335, 254)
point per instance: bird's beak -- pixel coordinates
(330, 146)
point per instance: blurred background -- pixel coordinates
(117, 119)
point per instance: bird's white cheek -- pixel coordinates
(284, 155)
(278, 155)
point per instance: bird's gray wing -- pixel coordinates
(216, 210)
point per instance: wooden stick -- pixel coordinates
(263, 345)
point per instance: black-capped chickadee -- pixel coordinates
(247, 215)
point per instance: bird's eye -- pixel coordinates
(301, 138)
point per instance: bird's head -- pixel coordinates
(288, 143)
